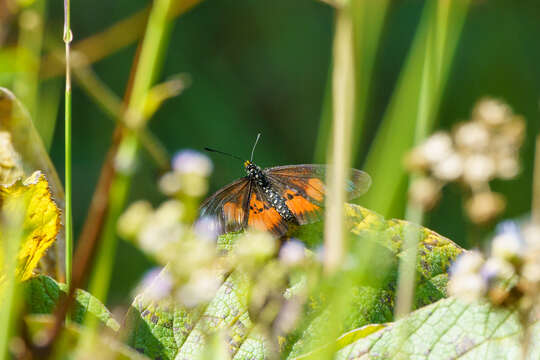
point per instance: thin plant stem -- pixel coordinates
(414, 213)
(343, 114)
(113, 39)
(112, 106)
(26, 82)
(68, 36)
(536, 186)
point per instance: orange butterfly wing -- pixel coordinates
(229, 206)
(263, 216)
(303, 188)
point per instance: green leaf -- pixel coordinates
(448, 329)
(108, 347)
(373, 301)
(22, 153)
(167, 330)
(41, 220)
(344, 340)
(42, 294)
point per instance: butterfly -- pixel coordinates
(272, 199)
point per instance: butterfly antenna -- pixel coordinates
(222, 153)
(254, 145)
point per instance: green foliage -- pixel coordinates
(448, 329)
(167, 330)
(105, 347)
(42, 294)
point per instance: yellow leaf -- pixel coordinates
(41, 221)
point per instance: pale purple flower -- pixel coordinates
(207, 228)
(292, 252)
(509, 243)
(156, 284)
(192, 162)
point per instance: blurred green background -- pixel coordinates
(263, 66)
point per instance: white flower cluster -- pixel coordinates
(189, 174)
(509, 275)
(474, 153)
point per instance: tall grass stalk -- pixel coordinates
(68, 36)
(340, 153)
(30, 39)
(536, 185)
(397, 131)
(368, 20)
(150, 60)
(428, 89)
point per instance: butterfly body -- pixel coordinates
(271, 199)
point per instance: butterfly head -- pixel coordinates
(255, 172)
(251, 168)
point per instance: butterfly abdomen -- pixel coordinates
(271, 195)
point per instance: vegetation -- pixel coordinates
(117, 262)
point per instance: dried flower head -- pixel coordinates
(425, 192)
(478, 169)
(449, 169)
(485, 207)
(472, 137)
(476, 152)
(437, 147)
(492, 112)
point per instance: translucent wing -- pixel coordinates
(303, 188)
(229, 206)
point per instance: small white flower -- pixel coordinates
(170, 211)
(437, 147)
(292, 253)
(192, 162)
(163, 228)
(156, 284)
(134, 219)
(155, 238)
(201, 287)
(450, 168)
(472, 136)
(492, 112)
(469, 288)
(507, 167)
(467, 263)
(497, 269)
(207, 228)
(170, 183)
(425, 191)
(507, 246)
(531, 235)
(531, 272)
(478, 169)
